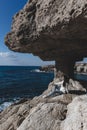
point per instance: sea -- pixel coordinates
(18, 82)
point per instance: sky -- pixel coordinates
(7, 10)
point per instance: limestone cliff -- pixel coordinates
(53, 30)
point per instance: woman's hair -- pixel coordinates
(66, 79)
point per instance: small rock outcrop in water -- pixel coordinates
(53, 30)
(47, 68)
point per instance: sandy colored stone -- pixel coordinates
(76, 118)
(13, 116)
(39, 113)
(44, 117)
(45, 26)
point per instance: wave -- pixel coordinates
(37, 70)
(6, 104)
(40, 71)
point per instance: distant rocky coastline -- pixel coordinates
(47, 68)
(79, 68)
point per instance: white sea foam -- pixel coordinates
(37, 70)
(5, 105)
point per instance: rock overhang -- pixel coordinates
(50, 29)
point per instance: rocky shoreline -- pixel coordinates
(79, 68)
(47, 68)
(49, 113)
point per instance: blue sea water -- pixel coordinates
(21, 82)
(18, 82)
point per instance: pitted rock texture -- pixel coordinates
(76, 118)
(37, 114)
(50, 29)
(44, 117)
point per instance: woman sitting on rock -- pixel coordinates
(59, 86)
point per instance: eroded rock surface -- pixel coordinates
(52, 116)
(76, 118)
(13, 116)
(44, 26)
(44, 117)
(51, 29)
(37, 114)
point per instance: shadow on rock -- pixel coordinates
(77, 92)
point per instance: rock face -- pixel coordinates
(37, 114)
(13, 116)
(81, 68)
(52, 116)
(53, 30)
(44, 117)
(77, 114)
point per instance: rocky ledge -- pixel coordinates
(53, 112)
